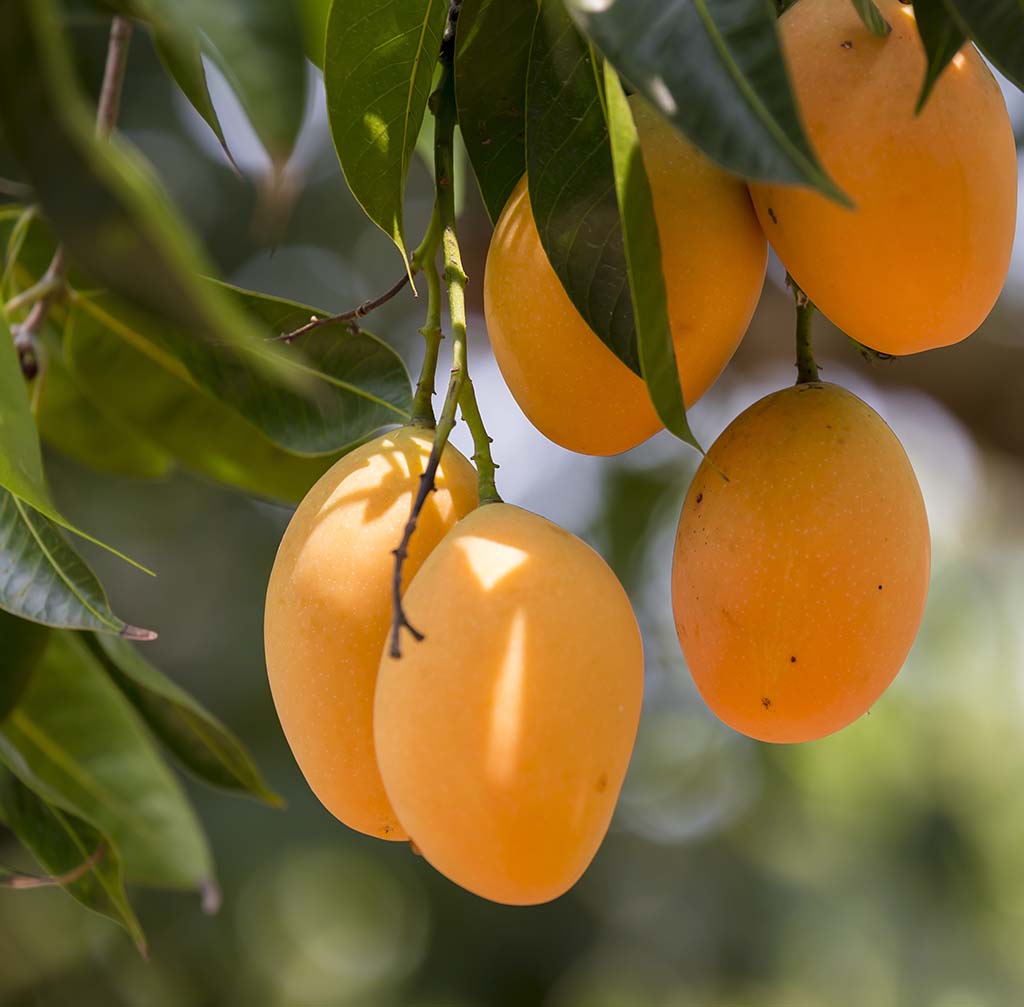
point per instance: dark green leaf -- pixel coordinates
(379, 62)
(21, 645)
(715, 68)
(314, 28)
(942, 38)
(75, 739)
(157, 400)
(259, 48)
(872, 17)
(99, 197)
(201, 743)
(63, 843)
(572, 185)
(88, 431)
(998, 28)
(43, 579)
(492, 52)
(643, 258)
(357, 384)
(183, 60)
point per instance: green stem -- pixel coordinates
(424, 260)
(806, 367)
(50, 285)
(485, 465)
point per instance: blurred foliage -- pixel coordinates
(882, 866)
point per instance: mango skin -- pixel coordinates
(920, 261)
(571, 387)
(503, 738)
(799, 585)
(328, 611)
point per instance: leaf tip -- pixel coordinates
(138, 634)
(210, 896)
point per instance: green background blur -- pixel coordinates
(882, 866)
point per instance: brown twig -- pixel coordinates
(352, 315)
(56, 273)
(20, 881)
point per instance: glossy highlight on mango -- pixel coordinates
(572, 388)
(503, 737)
(801, 565)
(328, 611)
(921, 258)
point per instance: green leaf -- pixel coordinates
(100, 197)
(87, 431)
(182, 58)
(142, 392)
(314, 28)
(492, 52)
(942, 38)
(75, 739)
(43, 579)
(63, 843)
(872, 17)
(572, 184)
(643, 258)
(357, 384)
(197, 740)
(21, 645)
(259, 48)
(997, 26)
(715, 68)
(378, 67)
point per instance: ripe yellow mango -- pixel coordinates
(801, 565)
(504, 736)
(921, 258)
(571, 387)
(328, 611)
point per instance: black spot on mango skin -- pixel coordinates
(766, 702)
(602, 783)
(771, 213)
(792, 660)
(846, 44)
(700, 496)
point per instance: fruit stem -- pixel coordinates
(485, 464)
(442, 103)
(806, 367)
(424, 260)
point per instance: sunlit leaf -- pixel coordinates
(716, 69)
(572, 185)
(43, 579)
(104, 765)
(492, 50)
(202, 744)
(63, 843)
(643, 259)
(378, 66)
(314, 28)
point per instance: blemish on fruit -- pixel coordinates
(879, 587)
(846, 44)
(700, 496)
(766, 702)
(771, 213)
(792, 660)
(602, 783)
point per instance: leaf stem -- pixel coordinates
(425, 259)
(443, 106)
(54, 280)
(806, 367)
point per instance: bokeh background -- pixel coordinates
(883, 866)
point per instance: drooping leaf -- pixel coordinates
(259, 48)
(44, 580)
(378, 66)
(357, 384)
(153, 397)
(492, 51)
(572, 185)
(63, 843)
(872, 17)
(82, 429)
(21, 646)
(100, 198)
(182, 57)
(202, 744)
(942, 38)
(643, 259)
(997, 26)
(716, 69)
(104, 765)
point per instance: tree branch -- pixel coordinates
(352, 315)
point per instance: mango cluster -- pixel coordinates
(498, 744)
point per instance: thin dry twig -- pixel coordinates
(352, 315)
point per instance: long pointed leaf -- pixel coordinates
(942, 37)
(998, 28)
(200, 742)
